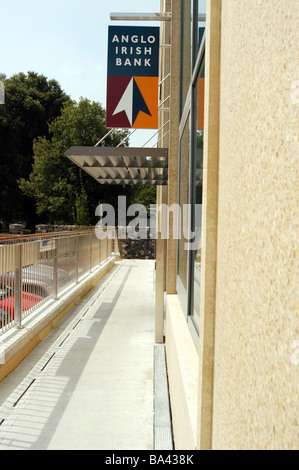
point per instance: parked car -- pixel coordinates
(37, 279)
(16, 229)
(37, 283)
(7, 302)
(3, 317)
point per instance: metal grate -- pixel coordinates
(162, 417)
(122, 165)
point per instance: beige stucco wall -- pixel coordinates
(256, 368)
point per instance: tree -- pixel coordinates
(62, 191)
(32, 102)
(145, 195)
(82, 211)
(37, 182)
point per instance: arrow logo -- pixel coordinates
(132, 102)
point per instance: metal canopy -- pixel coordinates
(122, 165)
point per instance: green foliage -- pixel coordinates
(81, 205)
(145, 195)
(62, 191)
(32, 102)
(38, 123)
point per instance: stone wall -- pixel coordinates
(130, 248)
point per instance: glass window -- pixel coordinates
(197, 192)
(191, 157)
(200, 11)
(186, 50)
(183, 200)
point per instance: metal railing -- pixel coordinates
(20, 238)
(32, 272)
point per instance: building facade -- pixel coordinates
(230, 81)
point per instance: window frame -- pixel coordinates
(188, 113)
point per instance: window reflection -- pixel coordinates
(201, 10)
(186, 46)
(198, 174)
(183, 198)
(191, 155)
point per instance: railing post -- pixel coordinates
(90, 251)
(100, 251)
(77, 258)
(116, 247)
(18, 288)
(55, 270)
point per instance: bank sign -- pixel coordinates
(132, 78)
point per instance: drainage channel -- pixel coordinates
(163, 439)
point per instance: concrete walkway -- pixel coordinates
(89, 383)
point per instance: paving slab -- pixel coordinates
(89, 384)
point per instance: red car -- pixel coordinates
(7, 301)
(28, 301)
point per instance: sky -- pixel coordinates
(66, 40)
